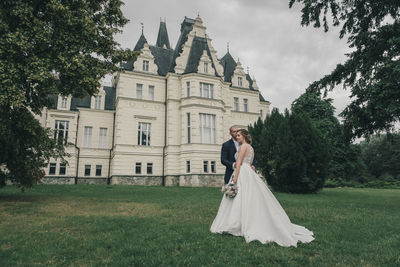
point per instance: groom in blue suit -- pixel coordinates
(228, 151)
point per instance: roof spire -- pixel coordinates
(162, 38)
(227, 47)
(142, 27)
(248, 69)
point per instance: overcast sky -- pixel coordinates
(265, 35)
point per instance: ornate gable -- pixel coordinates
(197, 53)
(205, 64)
(145, 61)
(239, 77)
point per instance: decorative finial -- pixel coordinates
(247, 69)
(198, 14)
(142, 26)
(238, 59)
(227, 47)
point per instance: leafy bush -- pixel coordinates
(291, 153)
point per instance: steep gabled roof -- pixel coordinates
(229, 65)
(162, 57)
(196, 51)
(140, 43)
(186, 27)
(162, 38)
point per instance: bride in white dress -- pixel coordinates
(255, 213)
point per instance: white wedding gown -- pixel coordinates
(255, 213)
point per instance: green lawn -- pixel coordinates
(153, 226)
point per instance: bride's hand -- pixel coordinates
(234, 180)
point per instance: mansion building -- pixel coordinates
(163, 120)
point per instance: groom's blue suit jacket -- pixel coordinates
(228, 151)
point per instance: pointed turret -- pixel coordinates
(162, 38)
(229, 65)
(140, 43)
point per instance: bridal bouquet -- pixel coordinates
(230, 189)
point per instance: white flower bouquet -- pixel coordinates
(230, 190)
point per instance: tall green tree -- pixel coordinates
(292, 153)
(382, 155)
(345, 158)
(49, 47)
(372, 69)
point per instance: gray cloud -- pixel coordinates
(266, 35)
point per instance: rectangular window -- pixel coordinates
(145, 65)
(87, 170)
(87, 137)
(188, 89)
(61, 131)
(245, 105)
(188, 166)
(144, 130)
(188, 127)
(240, 81)
(138, 169)
(205, 67)
(139, 91)
(64, 102)
(63, 168)
(205, 166)
(213, 169)
(149, 168)
(52, 169)
(206, 90)
(97, 102)
(98, 170)
(207, 128)
(151, 92)
(103, 138)
(236, 104)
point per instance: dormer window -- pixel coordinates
(145, 65)
(240, 82)
(97, 102)
(64, 102)
(205, 67)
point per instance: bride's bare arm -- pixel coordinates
(239, 161)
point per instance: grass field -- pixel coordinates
(82, 225)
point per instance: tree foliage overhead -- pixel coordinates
(50, 47)
(372, 70)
